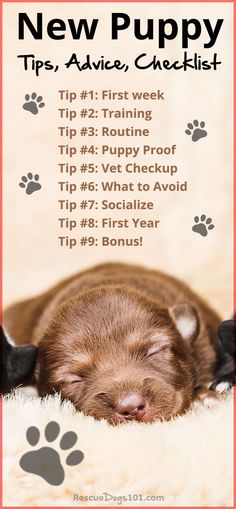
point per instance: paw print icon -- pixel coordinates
(30, 183)
(46, 461)
(33, 103)
(196, 130)
(202, 225)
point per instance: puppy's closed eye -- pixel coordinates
(73, 379)
(157, 349)
(160, 353)
(160, 346)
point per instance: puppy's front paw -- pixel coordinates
(204, 397)
(221, 386)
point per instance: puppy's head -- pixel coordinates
(118, 356)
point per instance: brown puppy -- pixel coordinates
(121, 342)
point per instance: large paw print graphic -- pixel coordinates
(46, 462)
(33, 103)
(196, 130)
(202, 225)
(30, 183)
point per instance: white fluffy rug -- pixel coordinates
(188, 461)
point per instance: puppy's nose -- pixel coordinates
(131, 406)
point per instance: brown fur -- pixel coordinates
(114, 330)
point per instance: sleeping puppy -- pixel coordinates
(121, 342)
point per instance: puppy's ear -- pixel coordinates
(186, 320)
(17, 363)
